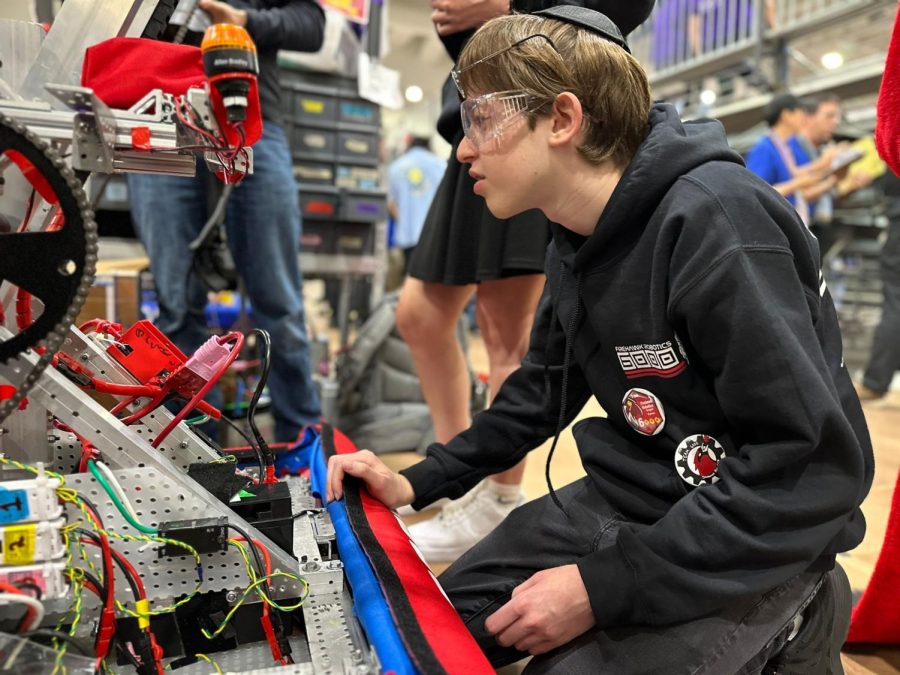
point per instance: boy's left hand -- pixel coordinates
(546, 611)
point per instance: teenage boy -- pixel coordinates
(684, 293)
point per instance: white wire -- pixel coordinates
(120, 492)
(26, 600)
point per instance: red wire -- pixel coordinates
(88, 449)
(137, 390)
(108, 614)
(135, 416)
(267, 622)
(142, 592)
(102, 326)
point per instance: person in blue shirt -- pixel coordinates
(413, 179)
(773, 160)
(814, 146)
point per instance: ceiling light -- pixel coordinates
(414, 94)
(832, 60)
(707, 97)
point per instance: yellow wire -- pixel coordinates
(71, 496)
(210, 661)
(77, 587)
(252, 574)
(31, 469)
(252, 587)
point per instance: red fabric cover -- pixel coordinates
(876, 617)
(122, 70)
(887, 128)
(449, 638)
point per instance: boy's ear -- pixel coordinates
(565, 119)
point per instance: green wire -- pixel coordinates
(199, 419)
(115, 500)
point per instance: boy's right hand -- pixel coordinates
(454, 16)
(392, 489)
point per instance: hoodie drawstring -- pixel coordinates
(570, 330)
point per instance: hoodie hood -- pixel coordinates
(671, 150)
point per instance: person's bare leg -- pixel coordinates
(505, 312)
(427, 314)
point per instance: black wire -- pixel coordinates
(100, 586)
(256, 557)
(294, 516)
(266, 357)
(107, 573)
(57, 635)
(38, 593)
(93, 536)
(246, 437)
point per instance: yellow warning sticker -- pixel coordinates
(18, 544)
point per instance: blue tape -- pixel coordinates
(13, 505)
(368, 600)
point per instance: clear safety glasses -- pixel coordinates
(485, 118)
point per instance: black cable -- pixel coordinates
(266, 357)
(107, 573)
(183, 29)
(294, 516)
(256, 557)
(246, 437)
(100, 586)
(57, 635)
(93, 536)
(38, 593)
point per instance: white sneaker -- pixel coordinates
(408, 510)
(463, 523)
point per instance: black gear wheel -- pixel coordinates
(55, 267)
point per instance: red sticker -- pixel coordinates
(643, 411)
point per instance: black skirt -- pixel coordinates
(462, 243)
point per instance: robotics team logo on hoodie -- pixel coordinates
(655, 360)
(643, 411)
(697, 459)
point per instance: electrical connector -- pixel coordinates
(206, 535)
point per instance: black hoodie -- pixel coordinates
(735, 445)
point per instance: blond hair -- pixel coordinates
(609, 82)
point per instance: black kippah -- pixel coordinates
(597, 23)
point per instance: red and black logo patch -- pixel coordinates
(697, 459)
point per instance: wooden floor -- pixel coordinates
(883, 424)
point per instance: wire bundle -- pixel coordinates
(91, 532)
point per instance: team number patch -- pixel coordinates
(643, 411)
(650, 360)
(697, 459)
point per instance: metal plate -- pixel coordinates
(336, 643)
(157, 501)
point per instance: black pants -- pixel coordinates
(885, 358)
(746, 639)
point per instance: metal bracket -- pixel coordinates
(94, 134)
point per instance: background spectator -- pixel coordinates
(413, 179)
